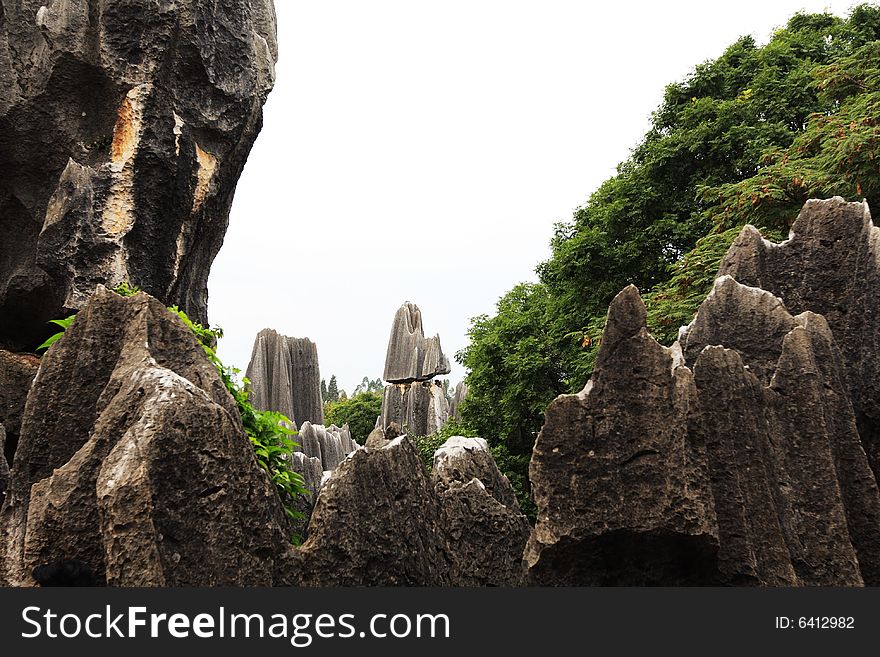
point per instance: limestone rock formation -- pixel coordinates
(124, 127)
(413, 400)
(411, 356)
(380, 521)
(486, 531)
(285, 377)
(829, 265)
(17, 372)
(621, 484)
(736, 449)
(461, 391)
(141, 471)
(330, 445)
(320, 450)
(779, 387)
(4, 466)
(420, 408)
(377, 522)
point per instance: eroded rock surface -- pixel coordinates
(732, 457)
(621, 484)
(486, 532)
(411, 356)
(4, 466)
(420, 408)
(461, 391)
(800, 421)
(377, 522)
(830, 265)
(17, 372)
(141, 472)
(124, 127)
(285, 377)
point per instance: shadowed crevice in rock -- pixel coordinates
(624, 558)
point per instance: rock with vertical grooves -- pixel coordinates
(377, 522)
(420, 408)
(827, 498)
(830, 265)
(285, 377)
(621, 484)
(411, 356)
(461, 391)
(124, 127)
(330, 445)
(142, 470)
(486, 532)
(735, 426)
(17, 372)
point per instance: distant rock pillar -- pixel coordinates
(285, 377)
(413, 399)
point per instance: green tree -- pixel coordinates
(746, 137)
(332, 390)
(359, 412)
(369, 385)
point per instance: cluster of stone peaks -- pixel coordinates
(746, 453)
(413, 399)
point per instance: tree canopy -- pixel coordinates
(746, 138)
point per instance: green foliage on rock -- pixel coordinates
(746, 138)
(359, 412)
(269, 432)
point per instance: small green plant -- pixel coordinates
(269, 432)
(125, 289)
(63, 323)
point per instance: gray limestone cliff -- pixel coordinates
(124, 127)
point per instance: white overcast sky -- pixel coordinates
(422, 151)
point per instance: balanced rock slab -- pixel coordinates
(124, 127)
(411, 356)
(142, 472)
